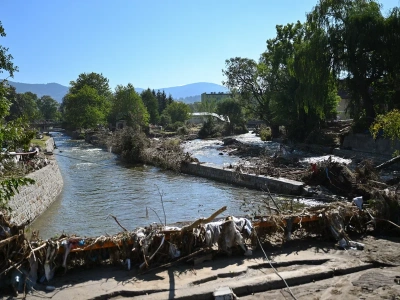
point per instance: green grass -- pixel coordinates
(41, 143)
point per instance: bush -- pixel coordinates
(174, 126)
(165, 119)
(130, 144)
(265, 133)
(182, 130)
(210, 129)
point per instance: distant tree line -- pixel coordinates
(91, 102)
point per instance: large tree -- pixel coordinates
(128, 105)
(178, 111)
(246, 77)
(282, 88)
(48, 108)
(231, 107)
(23, 105)
(94, 80)
(85, 108)
(88, 101)
(363, 46)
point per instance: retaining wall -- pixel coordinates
(365, 143)
(252, 181)
(33, 200)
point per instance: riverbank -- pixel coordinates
(32, 200)
(74, 258)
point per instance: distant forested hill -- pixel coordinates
(189, 93)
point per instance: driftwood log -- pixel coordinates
(388, 163)
(202, 220)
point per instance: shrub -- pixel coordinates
(182, 130)
(210, 129)
(265, 133)
(165, 119)
(174, 126)
(130, 144)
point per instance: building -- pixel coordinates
(215, 96)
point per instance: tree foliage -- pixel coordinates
(151, 103)
(232, 108)
(8, 132)
(362, 46)
(283, 88)
(88, 101)
(48, 108)
(389, 125)
(178, 111)
(93, 80)
(128, 105)
(6, 64)
(85, 108)
(294, 83)
(23, 105)
(9, 188)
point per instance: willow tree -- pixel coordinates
(357, 36)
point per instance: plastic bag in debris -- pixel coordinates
(343, 243)
(173, 251)
(358, 201)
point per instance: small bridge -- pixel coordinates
(200, 117)
(46, 125)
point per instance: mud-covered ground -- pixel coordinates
(313, 268)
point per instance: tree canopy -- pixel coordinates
(151, 103)
(85, 108)
(178, 111)
(48, 108)
(294, 83)
(88, 101)
(128, 105)
(93, 80)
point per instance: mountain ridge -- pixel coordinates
(57, 91)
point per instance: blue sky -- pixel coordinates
(148, 43)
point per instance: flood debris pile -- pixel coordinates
(21, 164)
(15, 252)
(167, 153)
(27, 263)
(234, 147)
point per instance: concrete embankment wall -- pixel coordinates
(275, 185)
(33, 200)
(365, 143)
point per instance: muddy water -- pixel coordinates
(96, 186)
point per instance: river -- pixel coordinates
(97, 185)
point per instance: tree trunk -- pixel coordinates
(368, 104)
(275, 131)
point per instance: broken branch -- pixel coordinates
(119, 223)
(202, 220)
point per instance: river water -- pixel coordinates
(97, 185)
